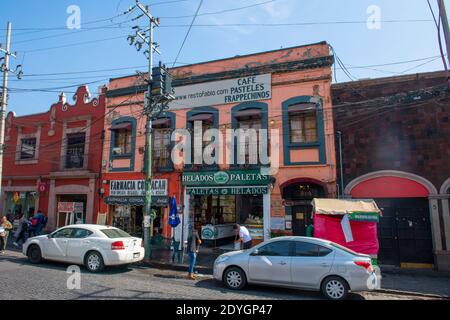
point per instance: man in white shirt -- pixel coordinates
(244, 236)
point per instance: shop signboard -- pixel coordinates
(364, 216)
(229, 178)
(70, 207)
(237, 90)
(227, 191)
(136, 188)
(157, 201)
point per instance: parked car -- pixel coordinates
(299, 262)
(94, 246)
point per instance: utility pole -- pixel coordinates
(155, 101)
(445, 26)
(4, 102)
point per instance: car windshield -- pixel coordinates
(344, 249)
(115, 233)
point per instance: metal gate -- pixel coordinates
(404, 231)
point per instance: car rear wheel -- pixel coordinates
(34, 254)
(335, 288)
(234, 278)
(94, 262)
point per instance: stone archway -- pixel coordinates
(410, 206)
(391, 173)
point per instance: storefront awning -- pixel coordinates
(123, 125)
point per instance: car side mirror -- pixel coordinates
(255, 252)
(49, 235)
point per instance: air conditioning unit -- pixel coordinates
(117, 150)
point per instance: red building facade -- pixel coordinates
(52, 161)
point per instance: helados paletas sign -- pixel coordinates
(226, 178)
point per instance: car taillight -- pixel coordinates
(365, 264)
(118, 245)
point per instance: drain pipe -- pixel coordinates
(339, 133)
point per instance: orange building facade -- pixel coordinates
(52, 161)
(285, 92)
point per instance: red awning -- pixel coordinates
(161, 122)
(302, 107)
(202, 117)
(123, 125)
(248, 113)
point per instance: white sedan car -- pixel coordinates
(94, 246)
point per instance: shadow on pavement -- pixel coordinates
(55, 265)
(269, 292)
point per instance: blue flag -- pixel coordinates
(174, 220)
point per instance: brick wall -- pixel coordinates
(398, 123)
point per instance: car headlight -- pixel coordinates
(222, 259)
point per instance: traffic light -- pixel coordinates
(162, 81)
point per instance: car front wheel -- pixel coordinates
(234, 278)
(34, 254)
(335, 288)
(94, 262)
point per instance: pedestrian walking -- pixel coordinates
(42, 222)
(194, 243)
(6, 227)
(244, 236)
(21, 231)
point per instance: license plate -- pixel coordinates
(136, 255)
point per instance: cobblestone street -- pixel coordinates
(21, 280)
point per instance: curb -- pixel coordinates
(414, 294)
(177, 267)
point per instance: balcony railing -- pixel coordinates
(71, 162)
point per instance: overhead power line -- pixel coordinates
(187, 33)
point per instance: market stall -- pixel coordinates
(351, 223)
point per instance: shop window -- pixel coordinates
(123, 136)
(303, 124)
(249, 209)
(74, 158)
(28, 149)
(161, 143)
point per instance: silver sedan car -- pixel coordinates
(299, 262)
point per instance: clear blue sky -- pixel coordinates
(355, 44)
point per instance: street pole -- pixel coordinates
(148, 215)
(445, 26)
(4, 98)
(444, 19)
